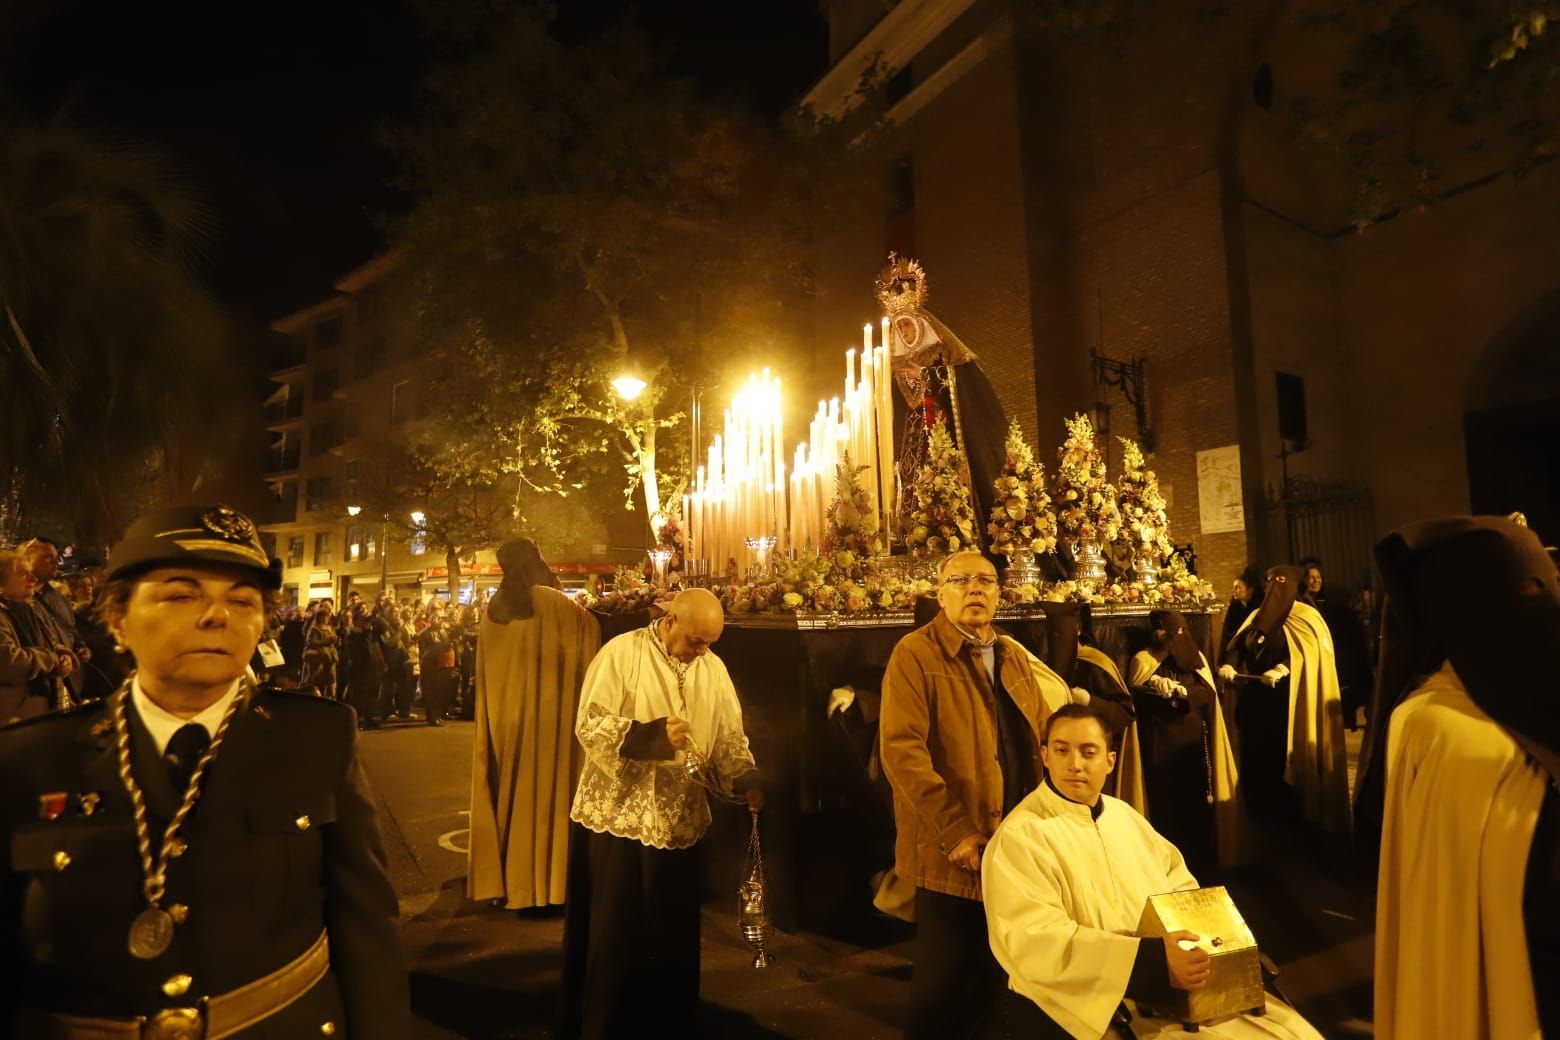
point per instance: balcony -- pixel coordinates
(281, 463)
(289, 360)
(284, 413)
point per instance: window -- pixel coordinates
(328, 332)
(317, 493)
(285, 495)
(400, 402)
(323, 437)
(362, 543)
(295, 551)
(326, 380)
(354, 422)
(322, 549)
(369, 355)
(419, 542)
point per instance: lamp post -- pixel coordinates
(630, 386)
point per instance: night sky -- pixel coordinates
(273, 107)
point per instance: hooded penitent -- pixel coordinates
(1316, 758)
(1482, 593)
(1183, 649)
(1457, 787)
(1278, 599)
(524, 569)
(533, 647)
(1085, 667)
(1224, 775)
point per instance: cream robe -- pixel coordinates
(1462, 802)
(1228, 815)
(1318, 761)
(524, 758)
(1064, 892)
(655, 803)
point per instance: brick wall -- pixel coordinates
(969, 187)
(1421, 301)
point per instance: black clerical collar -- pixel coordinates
(1094, 810)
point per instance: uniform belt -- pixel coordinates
(215, 1017)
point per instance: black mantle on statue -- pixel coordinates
(822, 837)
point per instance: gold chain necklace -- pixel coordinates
(151, 932)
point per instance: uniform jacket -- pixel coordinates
(938, 730)
(282, 844)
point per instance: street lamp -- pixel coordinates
(418, 517)
(629, 387)
(354, 510)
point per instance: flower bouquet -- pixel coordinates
(851, 539)
(1085, 501)
(1145, 530)
(941, 519)
(1021, 516)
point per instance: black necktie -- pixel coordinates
(183, 752)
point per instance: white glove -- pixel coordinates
(840, 699)
(1273, 675)
(1227, 672)
(1167, 688)
(1080, 695)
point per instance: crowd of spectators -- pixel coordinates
(383, 657)
(386, 657)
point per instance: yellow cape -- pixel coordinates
(1317, 765)
(1461, 806)
(1127, 784)
(525, 758)
(1228, 814)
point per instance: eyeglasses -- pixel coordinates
(982, 581)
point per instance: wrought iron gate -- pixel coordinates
(1331, 520)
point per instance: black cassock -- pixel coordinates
(1262, 719)
(1175, 739)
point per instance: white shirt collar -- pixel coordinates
(164, 724)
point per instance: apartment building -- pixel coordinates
(336, 389)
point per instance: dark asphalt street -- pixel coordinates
(488, 974)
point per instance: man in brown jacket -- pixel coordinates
(963, 710)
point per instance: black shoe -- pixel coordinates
(435, 722)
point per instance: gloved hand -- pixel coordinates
(840, 699)
(1227, 672)
(1273, 675)
(1167, 688)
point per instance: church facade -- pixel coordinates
(1088, 196)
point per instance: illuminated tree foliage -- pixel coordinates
(580, 213)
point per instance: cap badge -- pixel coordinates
(229, 524)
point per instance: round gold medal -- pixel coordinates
(151, 933)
